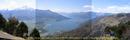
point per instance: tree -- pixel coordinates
(118, 30)
(35, 34)
(128, 23)
(11, 25)
(2, 22)
(22, 30)
(13, 21)
(107, 30)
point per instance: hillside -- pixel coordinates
(5, 35)
(13, 29)
(96, 27)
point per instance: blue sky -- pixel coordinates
(63, 5)
(109, 6)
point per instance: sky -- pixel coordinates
(111, 6)
(105, 6)
(13, 4)
(63, 5)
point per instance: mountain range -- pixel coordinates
(52, 22)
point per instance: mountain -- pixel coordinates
(28, 14)
(47, 16)
(21, 14)
(76, 19)
(96, 27)
(84, 15)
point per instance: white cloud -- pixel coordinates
(12, 4)
(88, 7)
(113, 9)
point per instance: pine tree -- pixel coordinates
(22, 30)
(35, 34)
(13, 21)
(11, 25)
(2, 22)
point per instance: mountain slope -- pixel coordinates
(96, 27)
(47, 16)
(8, 36)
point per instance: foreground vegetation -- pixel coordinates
(121, 30)
(14, 27)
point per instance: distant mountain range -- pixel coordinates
(27, 14)
(84, 15)
(21, 14)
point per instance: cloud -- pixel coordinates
(88, 7)
(113, 9)
(12, 4)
